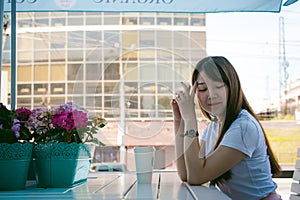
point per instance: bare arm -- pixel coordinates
(179, 131)
(200, 170)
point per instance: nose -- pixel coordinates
(212, 95)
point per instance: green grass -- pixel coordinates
(284, 143)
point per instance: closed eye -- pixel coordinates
(220, 86)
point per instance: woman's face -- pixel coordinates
(212, 96)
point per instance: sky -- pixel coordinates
(250, 41)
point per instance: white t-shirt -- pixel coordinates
(251, 178)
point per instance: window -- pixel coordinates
(24, 89)
(41, 73)
(24, 74)
(75, 72)
(94, 71)
(58, 73)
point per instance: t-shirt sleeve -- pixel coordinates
(243, 136)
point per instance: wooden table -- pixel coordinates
(121, 185)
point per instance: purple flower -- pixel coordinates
(16, 127)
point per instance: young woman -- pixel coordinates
(233, 151)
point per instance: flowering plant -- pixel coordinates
(13, 125)
(67, 123)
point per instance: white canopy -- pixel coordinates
(190, 6)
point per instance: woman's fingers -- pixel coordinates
(176, 111)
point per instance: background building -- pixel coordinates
(123, 66)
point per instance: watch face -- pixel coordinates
(192, 133)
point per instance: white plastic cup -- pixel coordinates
(144, 162)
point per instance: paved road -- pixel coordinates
(280, 124)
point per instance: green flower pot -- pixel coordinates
(14, 164)
(59, 165)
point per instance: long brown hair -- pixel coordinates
(219, 69)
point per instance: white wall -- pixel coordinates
(4, 87)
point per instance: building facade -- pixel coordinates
(123, 66)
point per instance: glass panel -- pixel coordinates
(112, 20)
(75, 39)
(41, 41)
(41, 73)
(148, 87)
(198, 20)
(111, 102)
(24, 74)
(164, 102)
(75, 88)
(164, 21)
(163, 55)
(78, 100)
(41, 56)
(94, 20)
(131, 101)
(182, 72)
(94, 71)
(130, 71)
(58, 73)
(40, 101)
(75, 55)
(40, 89)
(25, 41)
(93, 38)
(111, 88)
(180, 21)
(164, 72)
(76, 21)
(75, 72)
(58, 21)
(165, 87)
(24, 102)
(164, 39)
(131, 87)
(24, 89)
(94, 88)
(94, 102)
(129, 39)
(181, 40)
(147, 21)
(183, 54)
(198, 40)
(111, 38)
(94, 55)
(57, 88)
(42, 22)
(147, 38)
(25, 56)
(58, 40)
(111, 72)
(147, 71)
(56, 101)
(129, 20)
(58, 55)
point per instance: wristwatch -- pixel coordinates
(191, 133)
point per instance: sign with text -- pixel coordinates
(170, 6)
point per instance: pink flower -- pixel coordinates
(69, 120)
(23, 113)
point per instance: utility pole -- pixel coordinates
(283, 65)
